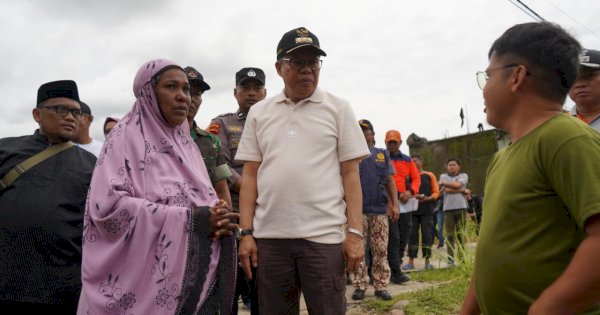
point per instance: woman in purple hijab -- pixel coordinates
(156, 238)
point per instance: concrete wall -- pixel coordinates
(474, 150)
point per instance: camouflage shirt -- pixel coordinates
(210, 148)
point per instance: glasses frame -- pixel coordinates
(483, 76)
(318, 64)
(63, 111)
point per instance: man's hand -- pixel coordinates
(393, 212)
(221, 219)
(248, 252)
(354, 252)
(405, 196)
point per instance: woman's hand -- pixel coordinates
(221, 219)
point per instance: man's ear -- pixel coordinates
(37, 115)
(278, 67)
(518, 78)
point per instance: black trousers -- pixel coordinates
(398, 240)
(425, 224)
(244, 286)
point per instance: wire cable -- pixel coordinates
(531, 15)
(530, 10)
(573, 19)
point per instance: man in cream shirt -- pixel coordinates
(300, 186)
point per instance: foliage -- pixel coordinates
(449, 284)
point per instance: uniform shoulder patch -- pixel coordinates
(214, 129)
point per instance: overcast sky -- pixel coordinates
(405, 65)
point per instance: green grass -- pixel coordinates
(449, 286)
(445, 297)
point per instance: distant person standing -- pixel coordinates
(408, 181)
(453, 185)
(109, 123)
(301, 187)
(380, 202)
(422, 219)
(586, 89)
(82, 137)
(249, 90)
(475, 208)
(209, 144)
(42, 207)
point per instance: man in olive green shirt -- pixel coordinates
(539, 246)
(209, 144)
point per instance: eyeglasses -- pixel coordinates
(483, 77)
(296, 64)
(63, 111)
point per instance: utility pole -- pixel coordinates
(467, 117)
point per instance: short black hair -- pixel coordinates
(550, 52)
(417, 156)
(453, 159)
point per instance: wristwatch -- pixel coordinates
(243, 232)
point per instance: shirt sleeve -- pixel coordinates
(415, 177)
(248, 149)
(575, 175)
(435, 190)
(351, 141)
(464, 179)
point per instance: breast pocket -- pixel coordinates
(381, 169)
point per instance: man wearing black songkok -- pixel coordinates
(41, 211)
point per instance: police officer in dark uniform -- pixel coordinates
(209, 144)
(249, 90)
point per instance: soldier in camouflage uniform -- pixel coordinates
(209, 144)
(249, 90)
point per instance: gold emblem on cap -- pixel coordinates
(192, 74)
(251, 73)
(302, 32)
(303, 36)
(304, 40)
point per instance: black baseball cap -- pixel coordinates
(365, 124)
(196, 78)
(590, 58)
(85, 108)
(54, 89)
(296, 38)
(249, 73)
